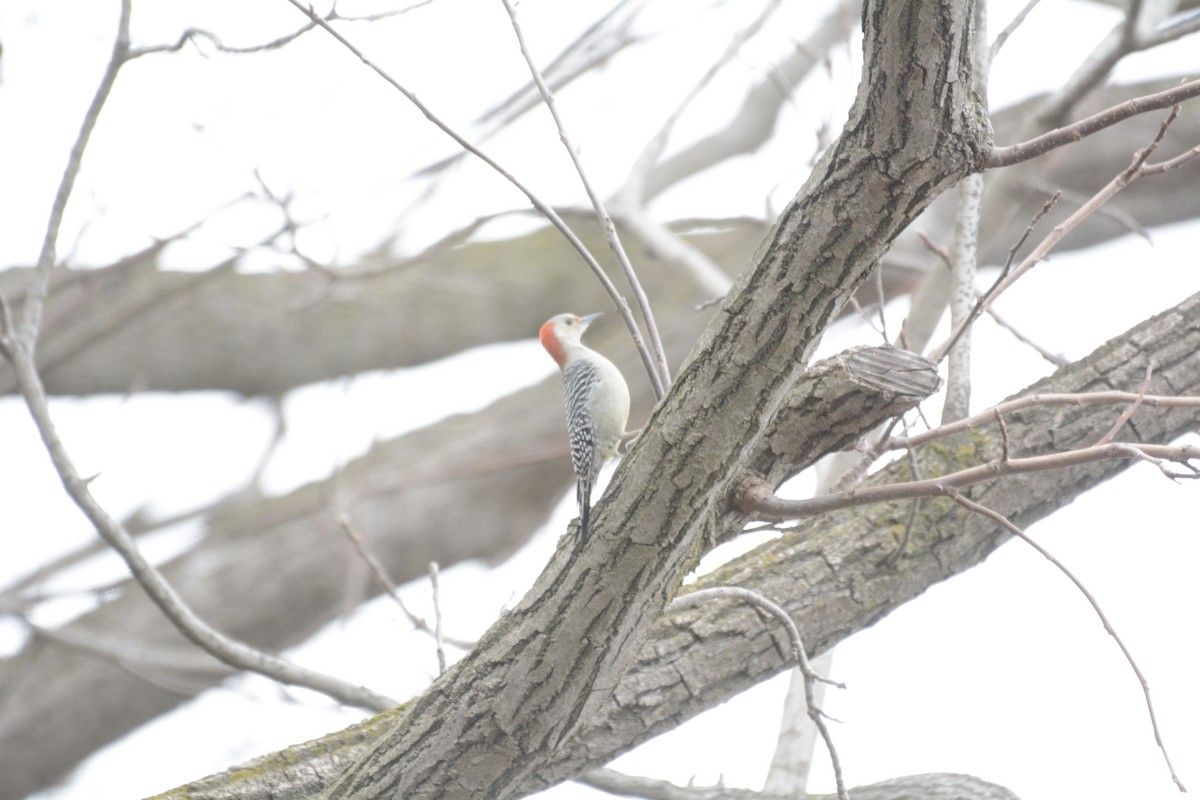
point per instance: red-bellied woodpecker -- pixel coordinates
(597, 401)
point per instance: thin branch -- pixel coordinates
(1136, 169)
(549, 213)
(984, 299)
(1015, 154)
(1122, 40)
(194, 34)
(1004, 446)
(881, 299)
(663, 381)
(35, 301)
(1008, 525)
(915, 466)
(795, 746)
(1128, 412)
(1174, 163)
(20, 350)
(384, 580)
(183, 669)
(634, 189)
(943, 785)
(1002, 37)
(1054, 358)
(1029, 401)
(232, 652)
(1123, 218)
(870, 455)
(604, 39)
(756, 497)
(798, 654)
(437, 617)
(673, 248)
(1181, 26)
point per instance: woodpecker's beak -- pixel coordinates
(588, 320)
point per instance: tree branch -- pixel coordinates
(798, 653)
(1015, 154)
(937, 786)
(546, 211)
(1007, 524)
(470, 732)
(831, 577)
(660, 376)
(1040, 400)
(31, 319)
(756, 499)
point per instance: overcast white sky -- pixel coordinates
(1004, 672)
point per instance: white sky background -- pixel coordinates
(1003, 672)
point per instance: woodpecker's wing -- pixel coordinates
(580, 379)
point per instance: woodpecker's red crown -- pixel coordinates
(562, 330)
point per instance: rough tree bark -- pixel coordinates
(834, 576)
(111, 355)
(489, 725)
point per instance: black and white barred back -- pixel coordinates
(580, 379)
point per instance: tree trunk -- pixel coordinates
(495, 720)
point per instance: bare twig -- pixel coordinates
(232, 652)
(623, 309)
(663, 373)
(1183, 25)
(1030, 401)
(634, 190)
(437, 617)
(881, 299)
(1170, 164)
(194, 34)
(913, 508)
(1054, 358)
(35, 300)
(1008, 525)
(1121, 217)
(942, 785)
(384, 580)
(869, 456)
(756, 497)
(1136, 169)
(1004, 446)
(984, 300)
(20, 350)
(798, 654)
(1126, 37)
(795, 746)
(1002, 37)
(673, 248)
(1128, 412)
(1015, 154)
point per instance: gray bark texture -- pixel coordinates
(493, 725)
(263, 572)
(833, 575)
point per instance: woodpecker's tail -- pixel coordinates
(582, 496)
